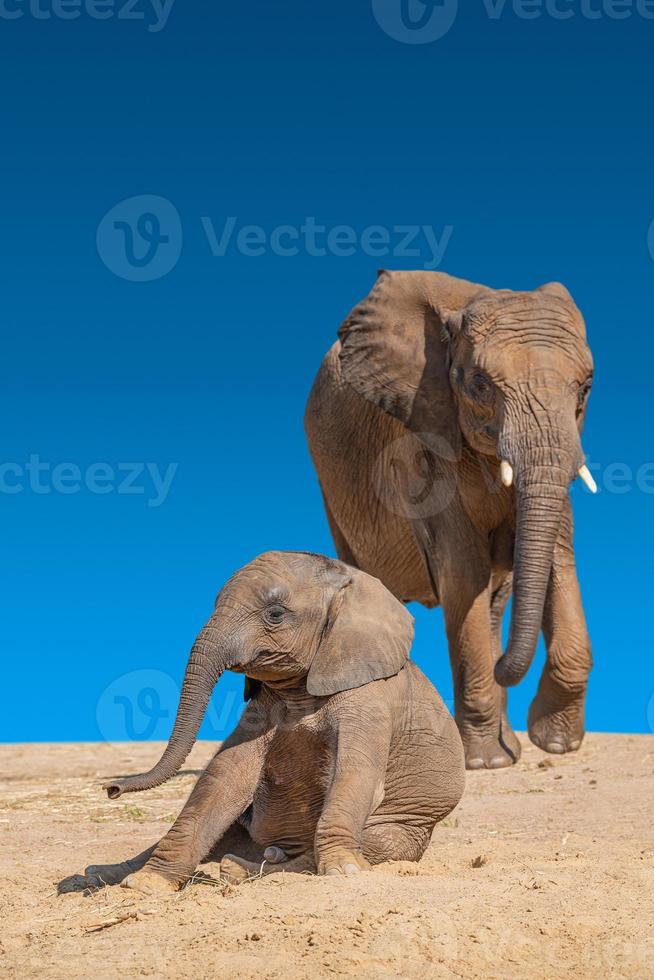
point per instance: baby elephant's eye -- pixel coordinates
(275, 614)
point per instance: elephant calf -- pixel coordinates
(345, 755)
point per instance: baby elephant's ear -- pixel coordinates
(367, 636)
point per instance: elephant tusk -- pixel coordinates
(585, 475)
(506, 472)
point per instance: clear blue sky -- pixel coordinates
(526, 146)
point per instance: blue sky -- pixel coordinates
(522, 144)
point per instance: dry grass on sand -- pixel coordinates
(544, 870)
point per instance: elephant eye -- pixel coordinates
(480, 386)
(274, 614)
(582, 395)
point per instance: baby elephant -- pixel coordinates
(345, 755)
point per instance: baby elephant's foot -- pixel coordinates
(150, 883)
(236, 870)
(95, 876)
(556, 730)
(108, 874)
(342, 862)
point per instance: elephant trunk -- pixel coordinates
(542, 481)
(206, 663)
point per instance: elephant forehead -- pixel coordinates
(521, 317)
(523, 344)
(276, 575)
(539, 364)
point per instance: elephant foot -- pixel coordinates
(509, 739)
(99, 875)
(78, 883)
(556, 730)
(342, 862)
(487, 753)
(236, 869)
(488, 749)
(150, 883)
(108, 874)
(489, 742)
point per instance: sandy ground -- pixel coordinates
(544, 870)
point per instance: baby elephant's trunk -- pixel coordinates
(202, 672)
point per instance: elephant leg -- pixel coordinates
(394, 842)
(221, 795)
(466, 592)
(237, 869)
(499, 600)
(556, 715)
(236, 840)
(99, 875)
(113, 874)
(357, 789)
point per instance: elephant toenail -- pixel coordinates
(351, 869)
(556, 748)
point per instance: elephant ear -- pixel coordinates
(557, 289)
(395, 351)
(367, 636)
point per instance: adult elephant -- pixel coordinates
(445, 429)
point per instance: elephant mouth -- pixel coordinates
(284, 683)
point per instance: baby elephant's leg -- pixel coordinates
(394, 842)
(113, 874)
(222, 793)
(357, 789)
(99, 875)
(237, 869)
(236, 840)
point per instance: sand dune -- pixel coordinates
(544, 870)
